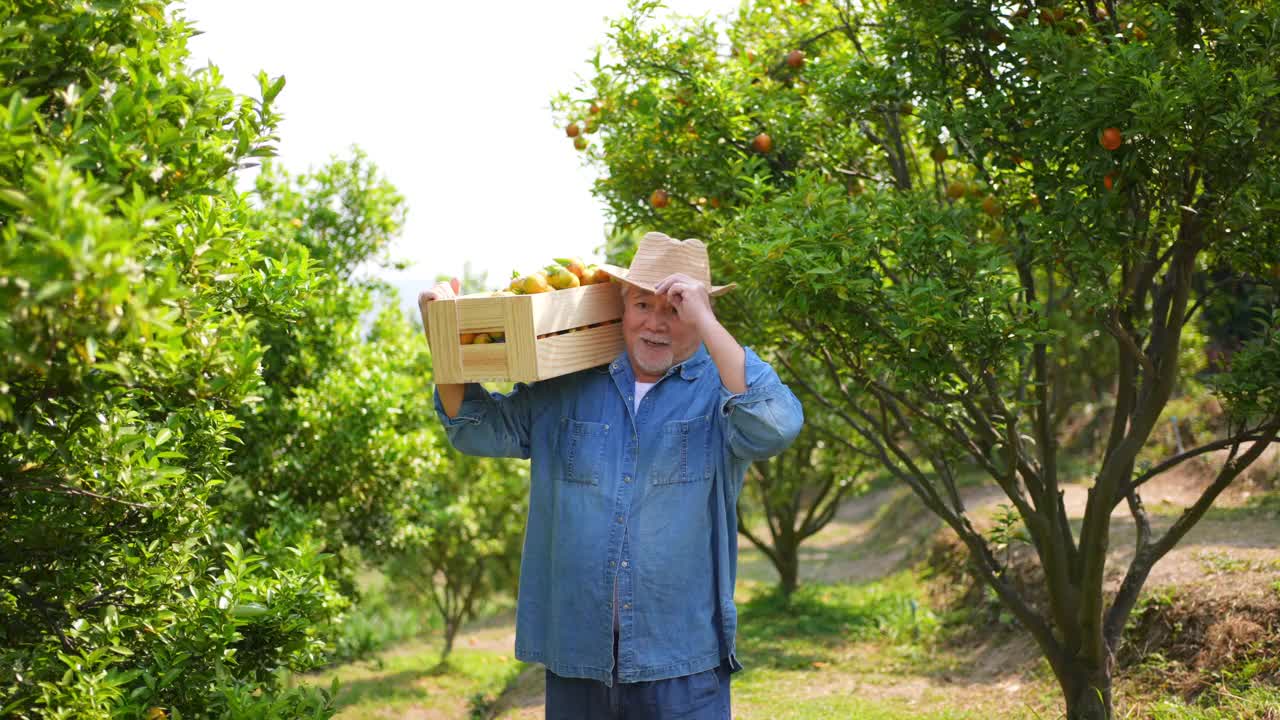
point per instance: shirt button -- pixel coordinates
(626, 478)
(612, 563)
(626, 606)
(624, 563)
(619, 518)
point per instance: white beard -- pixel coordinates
(665, 358)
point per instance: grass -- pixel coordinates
(410, 680)
(1218, 561)
(818, 617)
(1259, 703)
(1262, 506)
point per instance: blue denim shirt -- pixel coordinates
(645, 499)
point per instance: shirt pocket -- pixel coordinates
(684, 450)
(582, 450)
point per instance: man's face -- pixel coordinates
(656, 336)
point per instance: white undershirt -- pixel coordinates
(641, 390)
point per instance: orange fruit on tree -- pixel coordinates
(1109, 180)
(660, 198)
(762, 143)
(795, 59)
(938, 153)
(571, 130)
(1111, 139)
(594, 109)
(991, 206)
(580, 143)
(955, 189)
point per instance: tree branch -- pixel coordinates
(1139, 481)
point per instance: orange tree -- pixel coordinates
(132, 275)
(195, 424)
(796, 494)
(963, 211)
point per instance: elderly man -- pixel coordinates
(630, 552)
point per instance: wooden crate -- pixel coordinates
(530, 351)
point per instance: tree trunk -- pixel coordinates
(450, 631)
(788, 567)
(1087, 692)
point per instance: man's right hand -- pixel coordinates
(442, 291)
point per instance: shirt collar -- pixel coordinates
(690, 369)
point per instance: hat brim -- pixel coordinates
(620, 274)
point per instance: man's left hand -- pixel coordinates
(690, 298)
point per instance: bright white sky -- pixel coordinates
(450, 99)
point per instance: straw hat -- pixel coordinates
(658, 256)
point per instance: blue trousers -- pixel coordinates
(701, 696)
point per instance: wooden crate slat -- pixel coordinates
(521, 342)
(483, 314)
(446, 357)
(577, 351)
(575, 307)
(484, 362)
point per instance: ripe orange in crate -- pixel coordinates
(545, 334)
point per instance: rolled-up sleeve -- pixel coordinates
(762, 421)
(490, 424)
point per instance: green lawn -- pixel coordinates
(408, 682)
